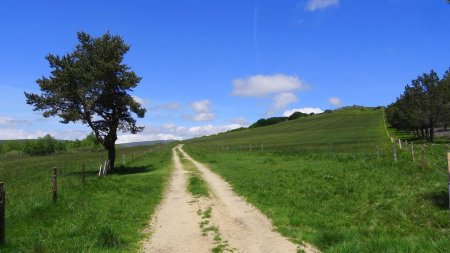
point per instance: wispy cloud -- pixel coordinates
(174, 132)
(15, 133)
(281, 101)
(335, 101)
(240, 121)
(202, 110)
(10, 121)
(262, 85)
(167, 106)
(315, 5)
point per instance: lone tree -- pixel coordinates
(91, 85)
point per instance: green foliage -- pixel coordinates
(91, 85)
(106, 214)
(90, 143)
(297, 115)
(268, 122)
(108, 237)
(46, 145)
(424, 106)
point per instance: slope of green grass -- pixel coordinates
(339, 197)
(104, 215)
(346, 130)
(342, 204)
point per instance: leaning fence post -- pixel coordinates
(399, 143)
(412, 152)
(2, 214)
(54, 185)
(395, 153)
(448, 171)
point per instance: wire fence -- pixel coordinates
(31, 181)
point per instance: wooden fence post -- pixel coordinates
(378, 153)
(2, 214)
(262, 148)
(412, 152)
(250, 147)
(395, 153)
(400, 143)
(448, 171)
(123, 159)
(54, 186)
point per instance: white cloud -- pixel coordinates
(141, 101)
(307, 110)
(202, 109)
(240, 120)
(201, 106)
(262, 85)
(281, 101)
(314, 5)
(68, 134)
(173, 132)
(335, 101)
(10, 121)
(203, 116)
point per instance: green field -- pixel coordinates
(341, 198)
(103, 215)
(346, 130)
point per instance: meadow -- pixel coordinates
(103, 214)
(344, 131)
(343, 198)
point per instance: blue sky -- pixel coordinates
(209, 66)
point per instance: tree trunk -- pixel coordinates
(111, 156)
(431, 133)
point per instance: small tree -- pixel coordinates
(91, 85)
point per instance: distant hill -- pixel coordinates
(349, 129)
(143, 143)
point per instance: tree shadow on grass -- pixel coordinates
(120, 170)
(127, 170)
(439, 199)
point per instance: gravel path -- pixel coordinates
(241, 225)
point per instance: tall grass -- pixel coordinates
(342, 204)
(331, 180)
(106, 214)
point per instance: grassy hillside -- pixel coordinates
(352, 129)
(346, 200)
(103, 215)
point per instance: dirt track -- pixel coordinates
(244, 228)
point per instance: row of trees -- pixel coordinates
(48, 145)
(276, 120)
(423, 107)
